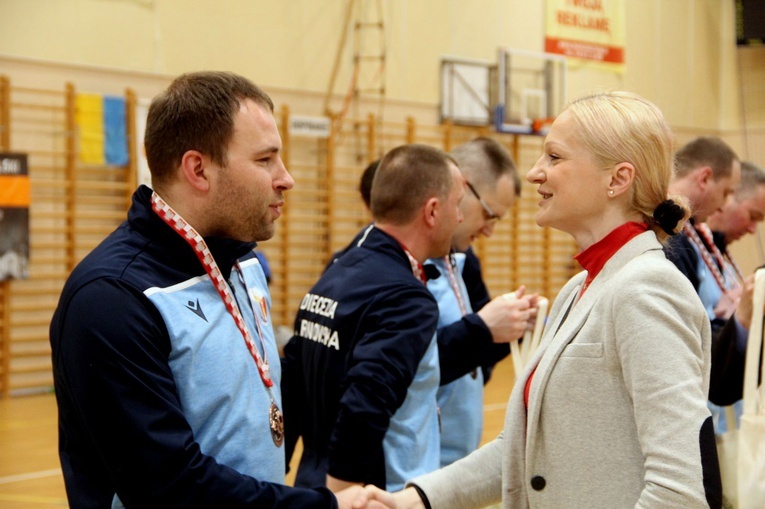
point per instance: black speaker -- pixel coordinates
(750, 22)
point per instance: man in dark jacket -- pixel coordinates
(361, 372)
(162, 339)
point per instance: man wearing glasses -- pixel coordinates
(468, 340)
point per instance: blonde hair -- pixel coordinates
(621, 127)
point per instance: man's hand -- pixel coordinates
(728, 303)
(405, 499)
(351, 495)
(508, 316)
(745, 306)
(358, 497)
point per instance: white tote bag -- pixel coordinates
(751, 434)
(727, 452)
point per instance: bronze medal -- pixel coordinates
(276, 423)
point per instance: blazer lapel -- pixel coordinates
(561, 336)
(565, 328)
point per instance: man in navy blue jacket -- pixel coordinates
(165, 367)
(360, 374)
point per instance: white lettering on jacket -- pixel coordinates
(319, 305)
(319, 333)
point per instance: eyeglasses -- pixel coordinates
(490, 215)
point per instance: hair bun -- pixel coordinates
(667, 215)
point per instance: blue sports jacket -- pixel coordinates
(160, 403)
(361, 372)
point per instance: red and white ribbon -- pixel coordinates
(195, 240)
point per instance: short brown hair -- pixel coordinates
(365, 183)
(406, 177)
(705, 151)
(752, 176)
(483, 161)
(196, 112)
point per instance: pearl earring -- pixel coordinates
(611, 192)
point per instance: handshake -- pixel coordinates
(372, 497)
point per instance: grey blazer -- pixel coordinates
(617, 414)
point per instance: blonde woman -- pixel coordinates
(611, 411)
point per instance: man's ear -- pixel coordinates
(622, 176)
(194, 170)
(430, 211)
(704, 177)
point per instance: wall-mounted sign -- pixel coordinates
(589, 30)
(14, 216)
(312, 127)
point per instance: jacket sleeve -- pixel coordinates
(729, 338)
(293, 396)
(466, 345)
(111, 363)
(472, 482)
(662, 336)
(397, 330)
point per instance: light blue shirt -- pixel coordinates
(411, 446)
(460, 401)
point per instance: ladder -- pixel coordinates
(365, 19)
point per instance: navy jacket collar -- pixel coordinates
(142, 218)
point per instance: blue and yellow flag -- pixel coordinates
(103, 130)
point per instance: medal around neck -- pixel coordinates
(188, 233)
(276, 422)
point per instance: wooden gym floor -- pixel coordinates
(30, 474)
